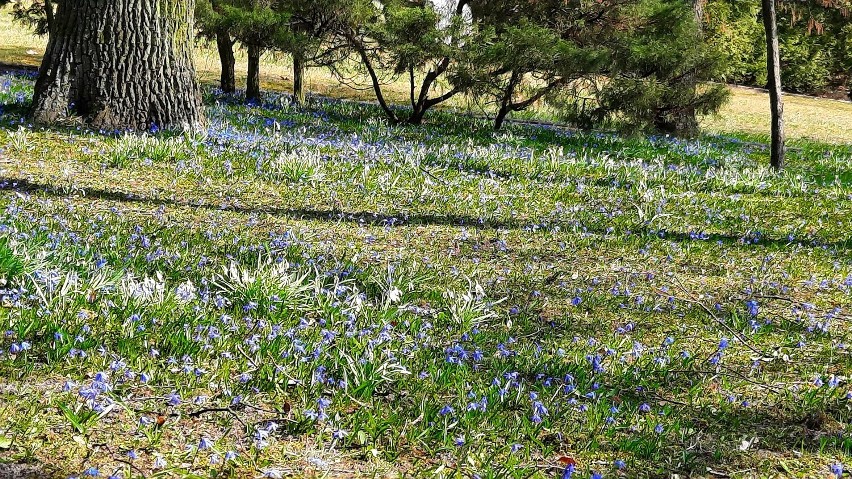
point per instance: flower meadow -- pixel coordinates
(313, 292)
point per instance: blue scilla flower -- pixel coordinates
(836, 469)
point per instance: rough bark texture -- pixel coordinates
(298, 80)
(120, 64)
(253, 75)
(773, 64)
(225, 46)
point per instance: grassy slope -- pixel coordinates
(392, 230)
(747, 112)
(649, 236)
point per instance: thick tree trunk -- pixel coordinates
(298, 79)
(417, 116)
(120, 64)
(228, 78)
(253, 76)
(773, 65)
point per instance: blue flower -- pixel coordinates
(173, 399)
(752, 307)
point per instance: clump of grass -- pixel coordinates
(132, 149)
(19, 141)
(296, 166)
(11, 265)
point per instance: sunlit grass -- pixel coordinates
(314, 290)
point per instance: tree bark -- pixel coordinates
(500, 118)
(698, 10)
(228, 78)
(298, 79)
(253, 76)
(48, 15)
(773, 65)
(120, 64)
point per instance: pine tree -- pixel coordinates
(414, 40)
(259, 26)
(314, 39)
(532, 49)
(213, 26)
(657, 60)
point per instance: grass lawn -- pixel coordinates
(312, 292)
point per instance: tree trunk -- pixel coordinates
(687, 122)
(228, 79)
(298, 79)
(500, 118)
(417, 115)
(48, 15)
(506, 100)
(120, 64)
(773, 65)
(253, 77)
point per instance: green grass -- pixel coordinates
(323, 294)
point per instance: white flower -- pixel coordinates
(394, 295)
(186, 292)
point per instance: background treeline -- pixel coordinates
(632, 62)
(815, 38)
(628, 64)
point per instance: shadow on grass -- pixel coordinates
(402, 219)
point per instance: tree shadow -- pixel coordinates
(403, 219)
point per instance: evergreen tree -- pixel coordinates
(656, 48)
(815, 42)
(412, 39)
(536, 48)
(258, 25)
(213, 26)
(313, 38)
(639, 59)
